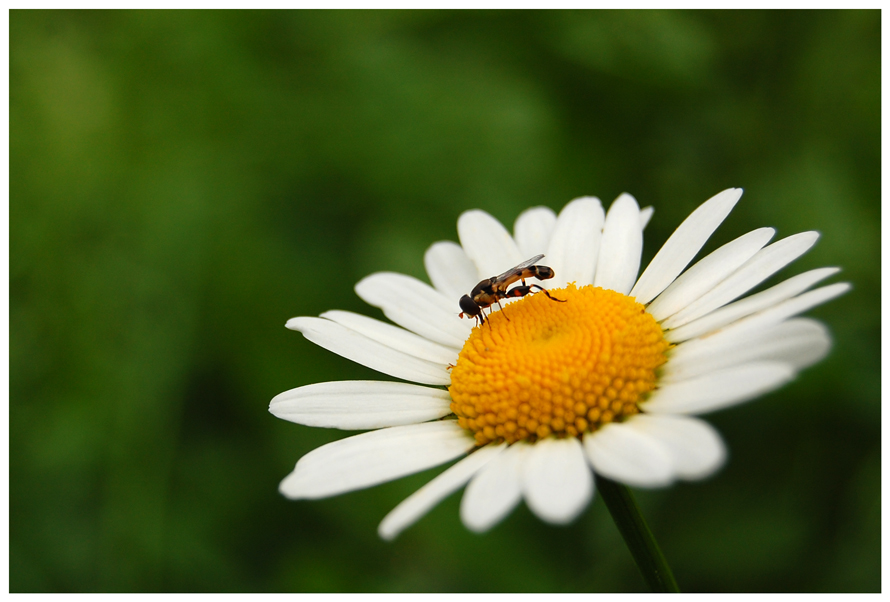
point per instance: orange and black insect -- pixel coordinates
(492, 290)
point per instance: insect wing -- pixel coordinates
(517, 269)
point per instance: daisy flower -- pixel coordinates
(603, 377)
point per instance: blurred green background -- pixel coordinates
(184, 182)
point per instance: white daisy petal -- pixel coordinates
(808, 342)
(707, 273)
(645, 216)
(718, 390)
(375, 457)
(799, 342)
(394, 337)
(452, 273)
(362, 350)
(695, 448)
(575, 243)
(487, 243)
(619, 257)
(494, 491)
(532, 230)
(761, 266)
(361, 404)
(622, 453)
(424, 499)
(417, 306)
(758, 302)
(684, 244)
(556, 481)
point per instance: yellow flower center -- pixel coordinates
(542, 368)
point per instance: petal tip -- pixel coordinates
(733, 194)
(294, 324)
(290, 487)
(585, 200)
(386, 532)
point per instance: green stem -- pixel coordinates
(642, 545)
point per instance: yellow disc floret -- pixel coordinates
(542, 368)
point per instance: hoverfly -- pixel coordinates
(492, 290)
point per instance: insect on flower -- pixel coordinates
(492, 290)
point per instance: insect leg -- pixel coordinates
(498, 301)
(544, 290)
(519, 291)
(522, 291)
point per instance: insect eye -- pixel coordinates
(468, 305)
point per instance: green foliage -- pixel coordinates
(182, 183)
